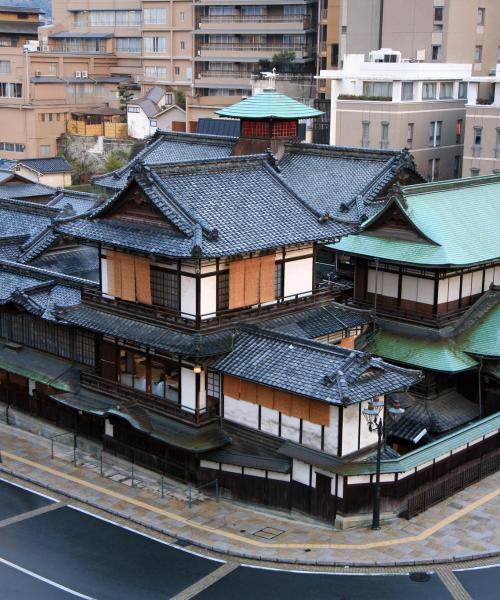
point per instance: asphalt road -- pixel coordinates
(482, 584)
(66, 553)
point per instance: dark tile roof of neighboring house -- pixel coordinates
(13, 8)
(21, 28)
(318, 321)
(47, 165)
(81, 262)
(46, 79)
(21, 190)
(76, 34)
(166, 148)
(447, 411)
(325, 372)
(224, 127)
(219, 208)
(153, 336)
(27, 219)
(71, 202)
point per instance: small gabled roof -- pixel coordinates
(222, 208)
(456, 219)
(74, 202)
(321, 371)
(46, 166)
(25, 190)
(269, 104)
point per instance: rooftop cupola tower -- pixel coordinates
(268, 120)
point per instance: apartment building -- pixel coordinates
(482, 126)
(453, 31)
(387, 103)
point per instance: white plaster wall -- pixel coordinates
(497, 275)
(104, 276)
(138, 125)
(298, 276)
(311, 435)
(332, 431)
(387, 284)
(290, 428)
(231, 468)
(202, 399)
(209, 464)
(108, 428)
(350, 429)
(300, 472)
(269, 420)
(188, 388)
(449, 289)
(340, 486)
(188, 297)
(409, 288)
(254, 472)
(425, 292)
(208, 296)
(466, 285)
(278, 476)
(477, 282)
(295, 252)
(242, 412)
(489, 276)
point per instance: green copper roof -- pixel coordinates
(458, 217)
(451, 349)
(437, 355)
(269, 105)
(484, 338)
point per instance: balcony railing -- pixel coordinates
(303, 49)
(257, 19)
(160, 315)
(323, 14)
(226, 74)
(127, 394)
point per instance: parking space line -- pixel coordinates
(205, 582)
(44, 579)
(31, 513)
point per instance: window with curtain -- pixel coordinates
(154, 16)
(128, 45)
(377, 88)
(407, 90)
(252, 281)
(155, 44)
(365, 134)
(445, 90)
(429, 90)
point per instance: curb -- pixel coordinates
(248, 555)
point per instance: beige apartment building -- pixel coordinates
(387, 103)
(482, 126)
(453, 31)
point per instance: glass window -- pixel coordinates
(462, 89)
(436, 52)
(380, 89)
(433, 169)
(445, 90)
(384, 142)
(154, 16)
(213, 385)
(177, 70)
(45, 150)
(474, 172)
(365, 133)
(165, 380)
(278, 280)
(458, 131)
(183, 45)
(4, 66)
(155, 44)
(456, 166)
(132, 370)
(165, 288)
(223, 290)
(409, 137)
(407, 90)
(128, 45)
(156, 72)
(438, 14)
(11, 90)
(429, 91)
(478, 54)
(294, 10)
(478, 134)
(435, 128)
(481, 13)
(128, 18)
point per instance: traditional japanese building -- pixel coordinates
(182, 322)
(429, 265)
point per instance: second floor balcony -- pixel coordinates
(257, 51)
(249, 23)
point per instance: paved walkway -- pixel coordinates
(460, 528)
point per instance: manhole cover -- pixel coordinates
(268, 533)
(420, 576)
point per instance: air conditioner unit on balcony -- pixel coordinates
(78, 74)
(199, 53)
(85, 74)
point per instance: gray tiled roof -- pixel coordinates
(318, 321)
(24, 191)
(224, 208)
(18, 218)
(82, 261)
(328, 373)
(167, 148)
(153, 336)
(72, 202)
(47, 165)
(342, 181)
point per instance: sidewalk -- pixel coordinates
(464, 526)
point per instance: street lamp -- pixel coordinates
(376, 423)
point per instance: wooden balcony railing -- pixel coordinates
(160, 315)
(123, 393)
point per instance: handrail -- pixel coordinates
(256, 47)
(163, 315)
(255, 19)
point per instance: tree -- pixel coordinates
(180, 98)
(125, 95)
(283, 60)
(115, 160)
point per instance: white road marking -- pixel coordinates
(45, 580)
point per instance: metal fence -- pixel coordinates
(450, 484)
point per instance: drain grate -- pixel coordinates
(268, 533)
(420, 576)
